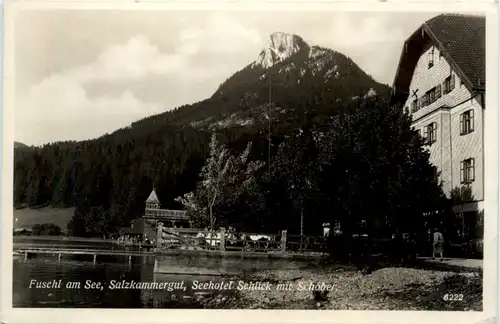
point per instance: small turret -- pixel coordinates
(153, 202)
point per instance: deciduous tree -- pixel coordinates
(224, 180)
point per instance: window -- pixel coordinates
(430, 58)
(419, 132)
(430, 133)
(449, 84)
(467, 122)
(414, 106)
(424, 100)
(431, 94)
(438, 92)
(467, 171)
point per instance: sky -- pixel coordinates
(82, 74)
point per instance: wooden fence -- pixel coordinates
(192, 238)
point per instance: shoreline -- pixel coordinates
(392, 288)
(386, 288)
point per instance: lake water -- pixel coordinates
(81, 269)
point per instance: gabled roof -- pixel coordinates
(153, 198)
(460, 39)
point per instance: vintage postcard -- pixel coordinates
(261, 158)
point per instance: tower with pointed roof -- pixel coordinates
(153, 202)
(153, 214)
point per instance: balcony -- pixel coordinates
(166, 214)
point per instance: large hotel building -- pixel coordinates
(440, 80)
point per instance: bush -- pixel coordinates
(46, 229)
(476, 247)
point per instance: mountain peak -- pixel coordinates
(280, 46)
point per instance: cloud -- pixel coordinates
(143, 65)
(220, 33)
(135, 60)
(65, 105)
(364, 30)
(59, 109)
(377, 34)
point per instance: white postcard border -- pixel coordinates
(33, 315)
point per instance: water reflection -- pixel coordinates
(81, 269)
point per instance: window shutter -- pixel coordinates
(472, 120)
(438, 91)
(434, 137)
(452, 81)
(472, 168)
(462, 169)
(462, 124)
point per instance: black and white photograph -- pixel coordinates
(251, 160)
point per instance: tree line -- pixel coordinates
(322, 152)
(359, 165)
(363, 169)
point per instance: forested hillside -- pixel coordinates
(325, 111)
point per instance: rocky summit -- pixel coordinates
(288, 79)
(280, 47)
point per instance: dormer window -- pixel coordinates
(430, 58)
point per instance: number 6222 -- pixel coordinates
(453, 297)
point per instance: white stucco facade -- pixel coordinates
(452, 146)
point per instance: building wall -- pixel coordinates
(469, 146)
(450, 147)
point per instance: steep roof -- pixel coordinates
(153, 198)
(461, 40)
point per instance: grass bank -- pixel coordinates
(27, 217)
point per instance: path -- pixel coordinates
(462, 263)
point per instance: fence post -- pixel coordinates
(222, 239)
(159, 235)
(283, 241)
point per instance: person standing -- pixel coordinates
(438, 243)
